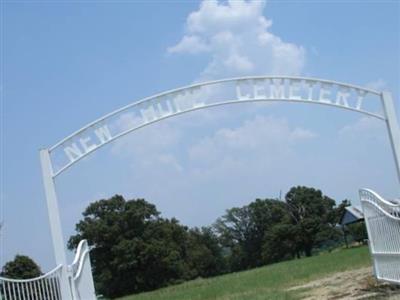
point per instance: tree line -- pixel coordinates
(135, 249)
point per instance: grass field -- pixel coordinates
(270, 282)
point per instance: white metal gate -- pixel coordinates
(48, 286)
(83, 286)
(382, 219)
(45, 287)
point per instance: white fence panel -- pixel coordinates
(382, 219)
(45, 287)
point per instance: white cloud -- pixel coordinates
(189, 44)
(149, 146)
(365, 126)
(253, 144)
(378, 85)
(237, 36)
(300, 133)
(157, 136)
(261, 135)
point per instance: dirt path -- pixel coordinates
(349, 285)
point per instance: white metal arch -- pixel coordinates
(275, 88)
(108, 128)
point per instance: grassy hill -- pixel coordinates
(269, 282)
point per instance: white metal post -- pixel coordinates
(393, 128)
(55, 223)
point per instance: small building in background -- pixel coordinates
(352, 214)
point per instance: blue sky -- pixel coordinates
(66, 64)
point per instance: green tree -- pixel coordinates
(280, 243)
(127, 245)
(312, 213)
(22, 267)
(339, 212)
(234, 229)
(268, 216)
(136, 250)
(358, 231)
(204, 253)
(243, 231)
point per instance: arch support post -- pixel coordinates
(55, 225)
(393, 128)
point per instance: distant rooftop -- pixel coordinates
(352, 214)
